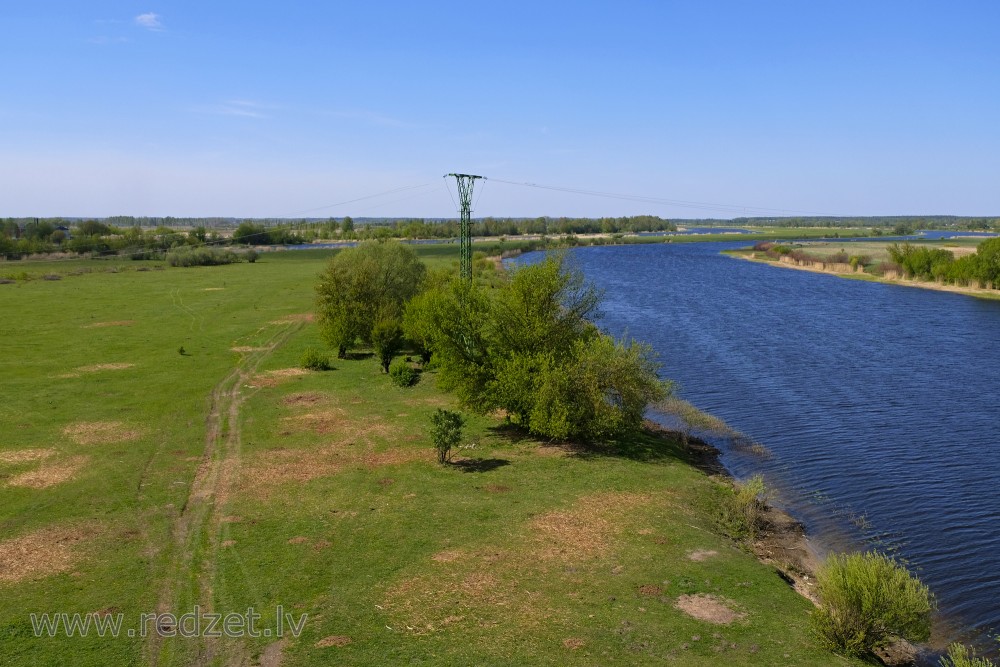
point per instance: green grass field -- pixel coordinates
(135, 478)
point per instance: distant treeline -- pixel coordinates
(899, 224)
(422, 228)
(93, 237)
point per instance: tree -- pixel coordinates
(347, 225)
(249, 233)
(387, 340)
(528, 348)
(362, 285)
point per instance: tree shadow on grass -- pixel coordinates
(479, 465)
(512, 433)
(358, 356)
(652, 444)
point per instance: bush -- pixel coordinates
(960, 656)
(314, 360)
(867, 601)
(446, 432)
(201, 257)
(743, 511)
(402, 374)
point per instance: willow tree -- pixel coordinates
(363, 286)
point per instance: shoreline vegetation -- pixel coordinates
(317, 488)
(883, 270)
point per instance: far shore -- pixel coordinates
(978, 292)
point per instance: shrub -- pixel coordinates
(402, 374)
(867, 600)
(743, 510)
(314, 360)
(960, 656)
(201, 257)
(446, 432)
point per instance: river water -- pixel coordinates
(879, 404)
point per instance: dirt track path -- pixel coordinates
(196, 531)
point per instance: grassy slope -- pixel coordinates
(333, 506)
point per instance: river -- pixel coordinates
(879, 404)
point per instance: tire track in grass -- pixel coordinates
(196, 531)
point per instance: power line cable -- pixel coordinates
(729, 208)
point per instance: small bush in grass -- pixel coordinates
(867, 600)
(314, 360)
(960, 656)
(446, 432)
(402, 374)
(743, 511)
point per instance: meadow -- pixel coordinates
(161, 448)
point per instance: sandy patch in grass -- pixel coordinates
(333, 640)
(94, 433)
(213, 289)
(572, 643)
(297, 317)
(116, 323)
(276, 377)
(40, 553)
(246, 348)
(26, 455)
(709, 608)
(49, 474)
(701, 554)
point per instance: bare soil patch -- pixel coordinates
(276, 377)
(701, 555)
(572, 643)
(333, 640)
(586, 529)
(26, 455)
(297, 317)
(268, 470)
(49, 474)
(448, 556)
(304, 398)
(246, 348)
(213, 289)
(650, 590)
(709, 608)
(484, 586)
(96, 368)
(40, 553)
(94, 433)
(116, 323)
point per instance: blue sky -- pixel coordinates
(277, 109)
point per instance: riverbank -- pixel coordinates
(319, 492)
(843, 270)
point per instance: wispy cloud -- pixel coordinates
(370, 117)
(244, 108)
(150, 21)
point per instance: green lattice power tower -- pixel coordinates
(465, 184)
